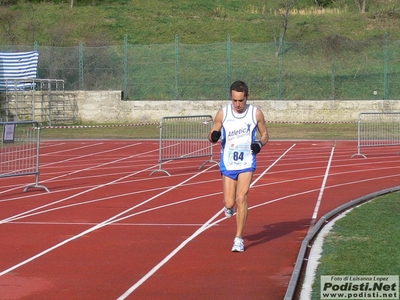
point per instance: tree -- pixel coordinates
(362, 5)
(72, 3)
(323, 3)
(289, 5)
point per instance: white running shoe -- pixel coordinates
(238, 245)
(229, 211)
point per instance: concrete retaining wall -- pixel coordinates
(107, 107)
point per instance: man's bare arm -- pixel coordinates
(262, 127)
(217, 125)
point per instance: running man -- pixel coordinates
(237, 124)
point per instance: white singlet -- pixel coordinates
(237, 134)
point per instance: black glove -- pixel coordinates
(215, 135)
(256, 147)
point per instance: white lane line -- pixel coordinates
(113, 197)
(25, 213)
(69, 150)
(102, 224)
(73, 158)
(90, 155)
(196, 198)
(275, 162)
(114, 224)
(322, 189)
(209, 224)
(18, 216)
(205, 226)
(314, 258)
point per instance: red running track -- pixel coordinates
(109, 230)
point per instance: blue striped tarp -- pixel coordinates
(17, 66)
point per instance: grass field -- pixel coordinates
(365, 242)
(101, 22)
(345, 131)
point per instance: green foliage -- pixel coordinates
(195, 21)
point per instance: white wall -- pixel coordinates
(107, 107)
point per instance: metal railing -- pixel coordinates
(42, 100)
(377, 129)
(185, 137)
(20, 151)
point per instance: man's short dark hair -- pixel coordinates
(240, 86)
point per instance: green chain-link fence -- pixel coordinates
(331, 68)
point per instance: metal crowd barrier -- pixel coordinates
(184, 137)
(378, 129)
(20, 150)
(42, 100)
